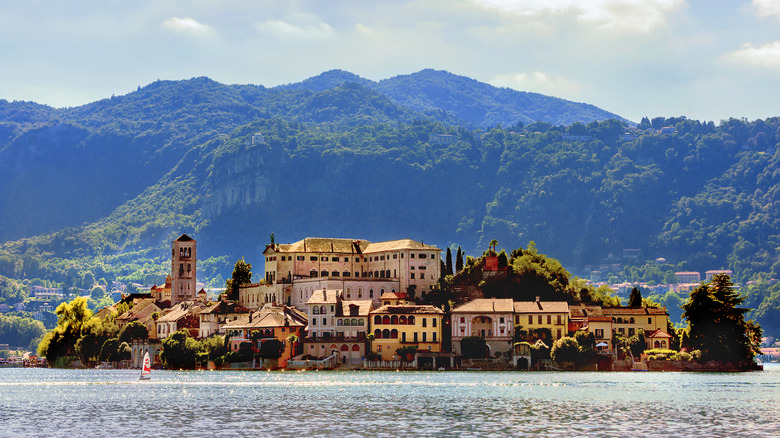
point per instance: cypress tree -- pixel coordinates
(635, 299)
(459, 260)
(448, 270)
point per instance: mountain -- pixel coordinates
(100, 190)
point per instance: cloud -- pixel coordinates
(767, 8)
(626, 16)
(767, 55)
(187, 25)
(538, 82)
(311, 29)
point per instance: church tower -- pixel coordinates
(183, 262)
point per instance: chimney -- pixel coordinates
(537, 299)
(250, 317)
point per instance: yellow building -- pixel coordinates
(535, 315)
(404, 325)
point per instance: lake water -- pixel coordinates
(49, 402)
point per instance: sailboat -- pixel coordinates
(146, 369)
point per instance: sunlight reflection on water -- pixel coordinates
(234, 403)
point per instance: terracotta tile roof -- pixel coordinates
(270, 317)
(486, 305)
(541, 307)
(415, 309)
(583, 310)
(320, 296)
(619, 311)
(142, 310)
(179, 311)
(393, 296)
(223, 307)
(364, 308)
(658, 333)
(392, 245)
(346, 246)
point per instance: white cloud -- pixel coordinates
(767, 8)
(310, 30)
(630, 16)
(538, 82)
(187, 25)
(767, 55)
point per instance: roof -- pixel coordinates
(223, 307)
(179, 311)
(393, 296)
(658, 333)
(364, 307)
(184, 238)
(409, 309)
(346, 246)
(619, 311)
(583, 310)
(320, 296)
(142, 310)
(392, 245)
(270, 317)
(541, 307)
(486, 305)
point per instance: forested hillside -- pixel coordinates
(103, 189)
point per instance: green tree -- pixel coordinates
(448, 264)
(94, 333)
(132, 331)
(109, 351)
(474, 347)
(179, 351)
(635, 298)
(459, 260)
(565, 349)
(493, 243)
(716, 326)
(242, 274)
(271, 349)
(97, 293)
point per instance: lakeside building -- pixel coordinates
(214, 317)
(337, 326)
(283, 323)
(182, 316)
(183, 269)
(401, 324)
(362, 269)
(142, 311)
(540, 316)
(605, 322)
(488, 318)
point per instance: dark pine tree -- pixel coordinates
(459, 260)
(448, 270)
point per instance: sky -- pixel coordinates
(706, 60)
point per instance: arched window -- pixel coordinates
(313, 273)
(381, 292)
(394, 320)
(386, 319)
(360, 292)
(316, 310)
(377, 334)
(402, 319)
(393, 290)
(462, 319)
(346, 273)
(386, 334)
(394, 334)
(631, 320)
(371, 293)
(338, 321)
(620, 320)
(324, 273)
(657, 344)
(377, 319)
(355, 347)
(346, 322)
(322, 310)
(411, 319)
(334, 273)
(349, 292)
(354, 321)
(345, 347)
(360, 321)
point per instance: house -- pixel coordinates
(710, 274)
(283, 323)
(337, 326)
(687, 277)
(607, 322)
(488, 318)
(214, 317)
(361, 269)
(183, 316)
(143, 311)
(539, 316)
(396, 326)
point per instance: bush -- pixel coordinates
(473, 347)
(565, 349)
(404, 351)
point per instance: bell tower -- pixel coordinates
(183, 264)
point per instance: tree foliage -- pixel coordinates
(242, 274)
(474, 347)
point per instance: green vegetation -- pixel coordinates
(717, 327)
(474, 347)
(242, 274)
(20, 332)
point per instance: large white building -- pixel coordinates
(361, 269)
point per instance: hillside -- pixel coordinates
(100, 190)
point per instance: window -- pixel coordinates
(346, 273)
(425, 322)
(323, 259)
(411, 256)
(313, 258)
(381, 257)
(649, 320)
(377, 320)
(630, 331)
(395, 256)
(501, 320)
(415, 336)
(539, 319)
(423, 256)
(560, 320)
(434, 337)
(346, 259)
(371, 293)
(530, 319)
(334, 274)
(357, 274)
(425, 336)
(411, 276)
(433, 321)
(549, 319)
(422, 276)
(334, 259)
(559, 333)
(599, 333)
(300, 258)
(324, 273)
